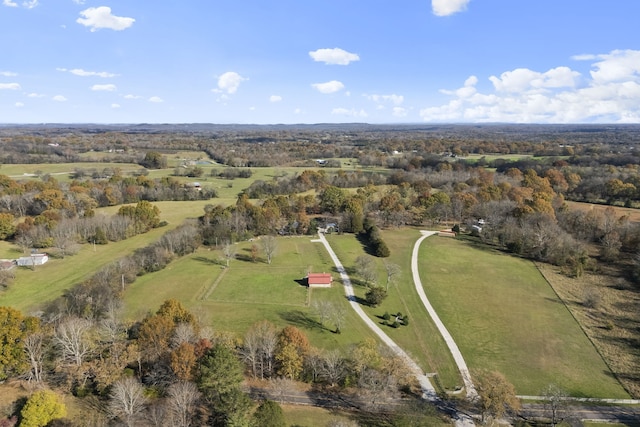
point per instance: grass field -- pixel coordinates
(420, 338)
(32, 288)
(232, 299)
(504, 316)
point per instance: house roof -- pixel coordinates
(318, 278)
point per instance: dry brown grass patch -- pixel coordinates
(608, 309)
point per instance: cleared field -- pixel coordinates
(504, 316)
(633, 214)
(33, 288)
(420, 338)
(232, 299)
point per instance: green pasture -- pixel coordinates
(61, 171)
(31, 289)
(232, 299)
(420, 339)
(504, 316)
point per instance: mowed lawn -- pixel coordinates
(420, 339)
(504, 316)
(234, 298)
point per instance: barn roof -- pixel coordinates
(318, 278)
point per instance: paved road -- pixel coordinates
(453, 347)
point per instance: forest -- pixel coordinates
(510, 187)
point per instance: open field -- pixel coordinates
(32, 288)
(634, 214)
(420, 338)
(232, 299)
(504, 316)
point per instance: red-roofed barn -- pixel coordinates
(319, 280)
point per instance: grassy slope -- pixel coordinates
(233, 299)
(504, 316)
(420, 338)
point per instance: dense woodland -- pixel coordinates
(168, 365)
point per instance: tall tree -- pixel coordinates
(127, 400)
(182, 401)
(14, 327)
(496, 395)
(269, 246)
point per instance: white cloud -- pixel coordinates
(59, 98)
(35, 95)
(523, 79)
(8, 74)
(107, 88)
(448, 7)
(83, 73)
(380, 99)
(335, 56)
(559, 95)
(101, 17)
(229, 82)
(156, 99)
(349, 112)
(29, 4)
(130, 96)
(9, 86)
(328, 87)
(275, 98)
(79, 1)
(619, 65)
(19, 104)
(115, 106)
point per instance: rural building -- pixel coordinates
(319, 280)
(33, 259)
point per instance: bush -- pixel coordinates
(386, 315)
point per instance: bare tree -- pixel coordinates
(269, 246)
(34, 347)
(259, 347)
(127, 400)
(71, 337)
(182, 333)
(334, 367)
(182, 399)
(366, 269)
(337, 314)
(555, 403)
(393, 273)
(323, 310)
(229, 251)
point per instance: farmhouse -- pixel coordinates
(319, 280)
(33, 259)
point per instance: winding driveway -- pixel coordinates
(453, 347)
(428, 390)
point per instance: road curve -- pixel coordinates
(453, 347)
(428, 391)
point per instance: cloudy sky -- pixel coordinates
(312, 61)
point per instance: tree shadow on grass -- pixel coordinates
(209, 261)
(358, 300)
(366, 246)
(300, 319)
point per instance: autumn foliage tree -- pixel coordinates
(41, 408)
(14, 328)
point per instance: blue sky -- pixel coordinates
(318, 61)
